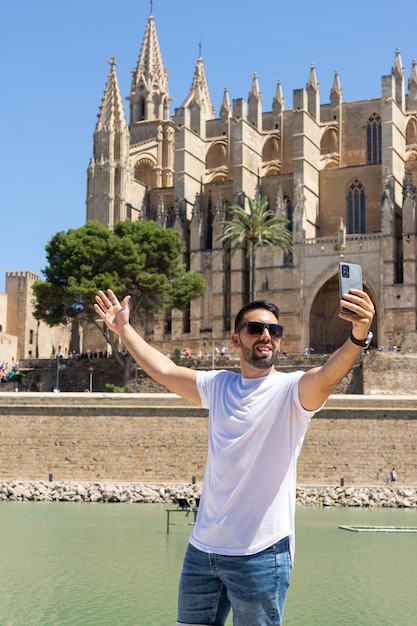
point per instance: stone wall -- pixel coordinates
(41, 374)
(34, 338)
(390, 373)
(160, 437)
(378, 373)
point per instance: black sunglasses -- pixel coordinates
(257, 328)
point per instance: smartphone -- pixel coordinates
(350, 277)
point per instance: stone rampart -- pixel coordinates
(162, 438)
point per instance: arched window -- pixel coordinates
(328, 144)
(356, 208)
(144, 172)
(271, 150)
(411, 132)
(373, 139)
(141, 111)
(216, 155)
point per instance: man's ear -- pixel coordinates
(235, 340)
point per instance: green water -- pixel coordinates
(114, 565)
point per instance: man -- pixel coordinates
(241, 549)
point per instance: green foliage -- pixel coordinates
(137, 258)
(177, 356)
(259, 227)
(115, 388)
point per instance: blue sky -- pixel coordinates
(55, 57)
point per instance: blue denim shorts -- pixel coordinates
(254, 587)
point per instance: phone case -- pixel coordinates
(350, 277)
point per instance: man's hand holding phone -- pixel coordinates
(355, 304)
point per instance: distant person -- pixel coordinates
(393, 475)
(241, 548)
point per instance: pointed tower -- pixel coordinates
(149, 97)
(336, 98)
(278, 106)
(198, 101)
(255, 104)
(313, 94)
(107, 171)
(190, 148)
(225, 112)
(393, 140)
(398, 73)
(151, 131)
(412, 88)
(408, 235)
(306, 160)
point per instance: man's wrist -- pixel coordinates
(363, 343)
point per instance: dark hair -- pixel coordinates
(252, 306)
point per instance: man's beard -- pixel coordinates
(260, 362)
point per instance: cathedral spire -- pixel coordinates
(255, 91)
(107, 171)
(149, 91)
(313, 94)
(399, 78)
(412, 88)
(278, 104)
(398, 64)
(336, 98)
(225, 108)
(112, 113)
(336, 90)
(413, 77)
(279, 98)
(255, 104)
(312, 79)
(199, 92)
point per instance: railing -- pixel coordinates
(184, 506)
(334, 240)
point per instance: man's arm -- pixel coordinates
(180, 380)
(318, 383)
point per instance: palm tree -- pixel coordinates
(258, 227)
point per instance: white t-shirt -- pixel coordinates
(256, 430)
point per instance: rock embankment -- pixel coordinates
(393, 497)
(61, 491)
(167, 493)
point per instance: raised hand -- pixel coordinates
(113, 313)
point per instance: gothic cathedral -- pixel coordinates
(342, 173)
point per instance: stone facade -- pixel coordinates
(343, 173)
(21, 335)
(8, 342)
